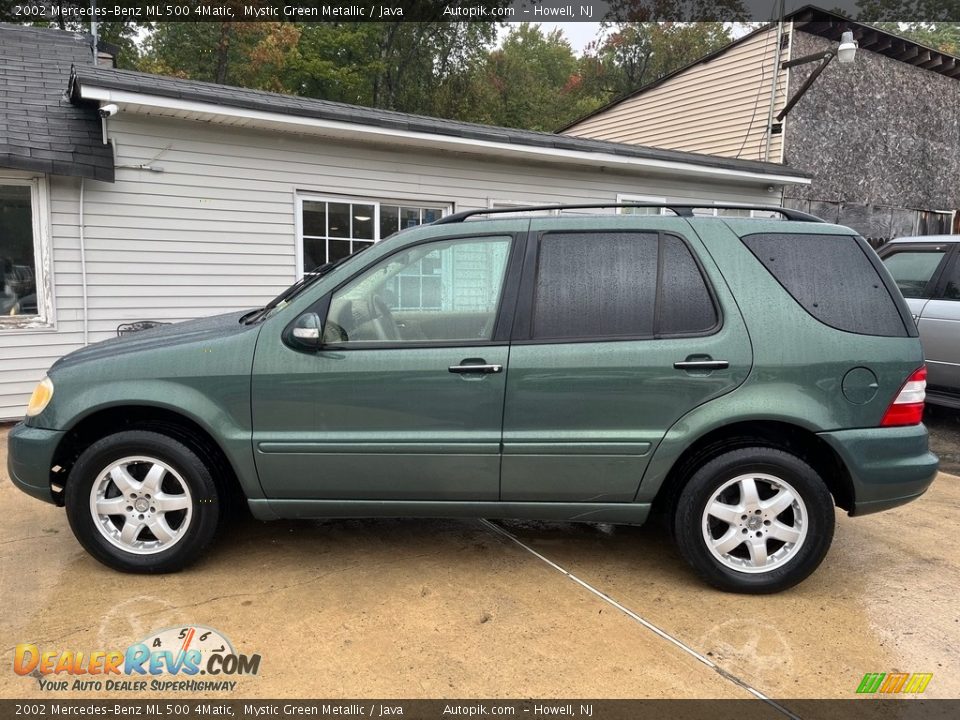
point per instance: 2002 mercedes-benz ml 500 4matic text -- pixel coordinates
(741, 377)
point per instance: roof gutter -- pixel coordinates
(212, 112)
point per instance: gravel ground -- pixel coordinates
(944, 426)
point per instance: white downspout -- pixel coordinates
(83, 273)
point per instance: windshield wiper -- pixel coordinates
(298, 287)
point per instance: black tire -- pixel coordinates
(201, 498)
(797, 563)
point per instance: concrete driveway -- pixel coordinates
(405, 608)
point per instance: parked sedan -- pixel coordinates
(927, 271)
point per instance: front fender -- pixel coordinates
(223, 415)
(202, 377)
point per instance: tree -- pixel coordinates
(248, 54)
(412, 67)
(942, 36)
(897, 12)
(634, 54)
(531, 81)
(123, 34)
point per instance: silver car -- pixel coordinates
(927, 271)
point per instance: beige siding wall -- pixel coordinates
(216, 230)
(719, 107)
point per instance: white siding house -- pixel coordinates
(221, 197)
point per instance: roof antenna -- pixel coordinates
(93, 28)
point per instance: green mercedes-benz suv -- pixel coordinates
(739, 377)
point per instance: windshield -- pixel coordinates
(308, 279)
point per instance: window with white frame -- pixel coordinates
(332, 228)
(709, 208)
(417, 285)
(641, 199)
(23, 253)
(507, 204)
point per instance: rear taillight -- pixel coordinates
(907, 406)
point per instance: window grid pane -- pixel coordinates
(332, 230)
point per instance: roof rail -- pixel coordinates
(682, 210)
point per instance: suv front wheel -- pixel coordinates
(142, 502)
(754, 520)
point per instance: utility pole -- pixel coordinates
(93, 28)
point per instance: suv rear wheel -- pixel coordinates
(754, 520)
(142, 502)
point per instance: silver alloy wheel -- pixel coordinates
(754, 523)
(141, 505)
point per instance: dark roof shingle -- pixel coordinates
(40, 129)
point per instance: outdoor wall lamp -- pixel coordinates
(845, 54)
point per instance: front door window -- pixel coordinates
(444, 291)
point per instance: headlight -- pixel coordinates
(41, 397)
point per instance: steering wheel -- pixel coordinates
(383, 320)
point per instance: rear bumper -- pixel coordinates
(29, 458)
(888, 466)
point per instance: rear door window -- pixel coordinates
(832, 278)
(608, 285)
(914, 269)
(951, 290)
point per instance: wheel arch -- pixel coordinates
(166, 421)
(778, 434)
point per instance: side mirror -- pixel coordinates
(306, 332)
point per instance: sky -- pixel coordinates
(578, 33)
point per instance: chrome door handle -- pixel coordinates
(481, 368)
(701, 365)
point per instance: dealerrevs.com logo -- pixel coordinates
(890, 683)
(182, 652)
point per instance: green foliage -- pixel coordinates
(456, 70)
(248, 54)
(532, 81)
(896, 12)
(123, 34)
(945, 37)
(636, 53)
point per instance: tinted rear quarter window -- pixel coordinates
(832, 278)
(610, 285)
(685, 302)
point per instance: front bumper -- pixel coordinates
(888, 466)
(29, 458)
